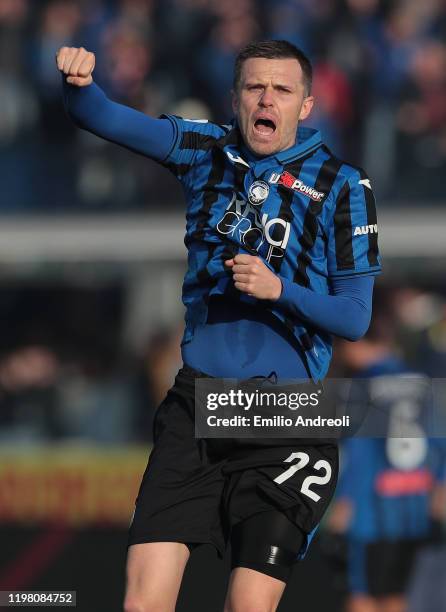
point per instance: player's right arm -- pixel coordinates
(89, 107)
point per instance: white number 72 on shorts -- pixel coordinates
(302, 461)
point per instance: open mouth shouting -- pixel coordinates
(264, 126)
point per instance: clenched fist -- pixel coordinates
(251, 276)
(77, 63)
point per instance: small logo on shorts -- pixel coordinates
(258, 192)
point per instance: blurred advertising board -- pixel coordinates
(76, 486)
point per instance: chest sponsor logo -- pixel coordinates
(258, 192)
(288, 180)
(363, 230)
(257, 233)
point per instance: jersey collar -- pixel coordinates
(307, 141)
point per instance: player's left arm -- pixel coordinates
(345, 313)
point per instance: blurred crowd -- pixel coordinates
(380, 85)
(67, 371)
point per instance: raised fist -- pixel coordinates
(77, 64)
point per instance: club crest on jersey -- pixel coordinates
(288, 180)
(258, 192)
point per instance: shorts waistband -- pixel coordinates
(187, 370)
(185, 383)
(187, 375)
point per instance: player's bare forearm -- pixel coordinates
(77, 63)
(253, 277)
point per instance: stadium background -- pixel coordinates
(92, 258)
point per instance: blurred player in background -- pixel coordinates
(391, 495)
(282, 241)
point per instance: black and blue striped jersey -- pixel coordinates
(310, 216)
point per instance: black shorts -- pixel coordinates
(196, 490)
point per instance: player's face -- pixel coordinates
(269, 103)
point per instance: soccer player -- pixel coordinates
(391, 493)
(282, 251)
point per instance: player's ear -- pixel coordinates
(234, 97)
(306, 107)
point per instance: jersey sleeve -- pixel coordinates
(352, 247)
(193, 138)
(92, 110)
(345, 312)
